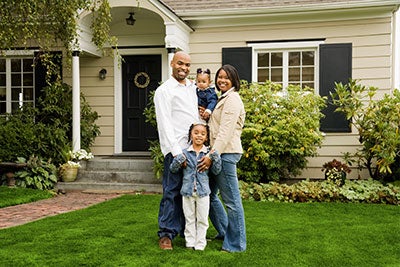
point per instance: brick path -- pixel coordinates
(70, 201)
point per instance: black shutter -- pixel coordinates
(40, 72)
(240, 58)
(335, 66)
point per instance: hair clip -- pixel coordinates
(199, 70)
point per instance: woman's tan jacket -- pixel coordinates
(226, 124)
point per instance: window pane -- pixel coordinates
(308, 74)
(2, 79)
(2, 107)
(2, 65)
(308, 58)
(28, 79)
(15, 94)
(276, 59)
(276, 75)
(28, 94)
(263, 59)
(263, 75)
(14, 106)
(27, 65)
(294, 74)
(15, 65)
(294, 58)
(311, 85)
(2, 94)
(15, 79)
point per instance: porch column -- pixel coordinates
(171, 52)
(76, 105)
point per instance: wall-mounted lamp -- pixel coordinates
(102, 74)
(130, 20)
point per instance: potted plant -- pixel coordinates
(69, 170)
(336, 171)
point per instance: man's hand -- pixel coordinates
(204, 163)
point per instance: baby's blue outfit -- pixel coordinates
(191, 176)
(207, 98)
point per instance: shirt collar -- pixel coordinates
(203, 149)
(187, 82)
(227, 92)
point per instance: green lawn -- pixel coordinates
(122, 232)
(10, 196)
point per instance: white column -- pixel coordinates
(171, 52)
(76, 103)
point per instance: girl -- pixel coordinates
(226, 125)
(207, 98)
(195, 188)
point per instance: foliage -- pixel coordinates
(377, 122)
(281, 130)
(155, 149)
(39, 174)
(336, 171)
(11, 196)
(357, 191)
(47, 23)
(46, 130)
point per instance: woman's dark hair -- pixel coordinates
(232, 75)
(207, 142)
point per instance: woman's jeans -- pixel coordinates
(229, 224)
(171, 221)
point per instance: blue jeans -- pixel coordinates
(229, 224)
(171, 221)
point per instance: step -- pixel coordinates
(110, 187)
(115, 173)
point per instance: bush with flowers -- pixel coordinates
(74, 159)
(336, 171)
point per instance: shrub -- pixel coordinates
(46, 130)
(39, 174)
(281, 130)
(377, 122)
(358, 191)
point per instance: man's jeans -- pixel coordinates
(229, 224)
(171, 221)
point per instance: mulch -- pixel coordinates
(62, 203)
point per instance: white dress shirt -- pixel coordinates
(176, 110)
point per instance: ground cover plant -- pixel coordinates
(17, 195)
(122, 232)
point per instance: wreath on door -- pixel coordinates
(138, 76)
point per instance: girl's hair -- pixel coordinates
(232, 75)
(206, 143)
(201, 71)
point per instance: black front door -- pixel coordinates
(141, 74)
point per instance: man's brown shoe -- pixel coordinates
(165, 243)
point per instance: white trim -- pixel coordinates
(286, 46)
(396, 50)
(118, 133)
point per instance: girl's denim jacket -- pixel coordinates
(192, 179)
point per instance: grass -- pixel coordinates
(122, 232)
(11, 196)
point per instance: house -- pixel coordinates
(325, 41)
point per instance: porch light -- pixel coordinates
(130, 20)
(102, 74)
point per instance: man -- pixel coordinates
(176, 109)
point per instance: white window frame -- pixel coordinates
(285, 48)
(12, 55)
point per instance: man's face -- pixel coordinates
(180, 66)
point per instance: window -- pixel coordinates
(290, 63)
(16, 83)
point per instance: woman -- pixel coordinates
(226, 125)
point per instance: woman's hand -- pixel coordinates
(204, 164)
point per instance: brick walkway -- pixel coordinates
(70, 201)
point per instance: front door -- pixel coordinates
(141, 74)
